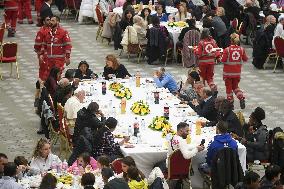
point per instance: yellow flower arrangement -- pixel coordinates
(140, 108)
(123, 92)
(160, 123)
(180, 24)
(115, 86)
(166, 131)
(65, 179)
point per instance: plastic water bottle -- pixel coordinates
(64, 166)
(92, 90)
(143, 125)
(76, 171)
(136, 126)
(54, 166)
(139, 138)
(130, 130)
(113, 112)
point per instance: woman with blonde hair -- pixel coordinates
(140, 27)
(114, 68)
(233, 58)
(43, 159)
(182, 14)
(220, 11)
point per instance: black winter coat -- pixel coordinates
(89, 74)
(278, 150)
(84, 144)
(226, 169)
(116, 183)
(232, 8)
(85, 118)
(234, 124)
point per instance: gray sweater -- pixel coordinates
(219, 26)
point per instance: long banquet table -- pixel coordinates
(153, 147)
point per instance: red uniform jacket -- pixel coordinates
(11, 4)
(205, 52)
(233, 57)
(57, 44)
(39, 40)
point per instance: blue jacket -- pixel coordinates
(166, 81)
(163, 18)
(218, 143)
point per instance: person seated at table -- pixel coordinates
(273, 10)
(165, 79)
(114, 68)
(72, 106)
(84, 161)
(3, 161)
(271, 178)
(251, 181)
(126, 163)
(103, 162)
(48, 181)
(88, 117)
(182, 14)
(178, 142)
(51, 81)
(135, 180)
(140, 27)
(221, 140)
(104, 140)
(43, 158)
(84, 72)
(263, 41)
(206, 107)
(227, 115)
(158, 41)
(63, 92)
(8, 180)
(187, 91)
(88, 180)
(256, 135)
(146, 15)
(23, 166)
(191, 26)
(160, 14)
(111, 182)
(127, 19)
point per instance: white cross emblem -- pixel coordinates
(236, 55)
(208, 48)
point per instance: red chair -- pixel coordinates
(178, 166)
(72, 5)
(116, 166)
(235, 24)
(9, 55)
(100, 20)
(279, 47)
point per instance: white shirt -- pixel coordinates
(198, 2)
(40, 165)
(279, 31)
(187, 150)
(72, 106)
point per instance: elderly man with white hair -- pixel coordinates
(279, 31)
(73, 105)
(166, 80)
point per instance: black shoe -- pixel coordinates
(10, 32)
(40, 132)
(243, 104)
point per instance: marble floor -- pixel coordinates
(19, 123)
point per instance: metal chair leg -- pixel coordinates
(276, 64)
(11, 69)
(17, 69)
(121, 52)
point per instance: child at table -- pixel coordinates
(84, 162)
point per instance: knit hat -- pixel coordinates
(258, 114)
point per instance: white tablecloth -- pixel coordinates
(175, 32)
(153, 148)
